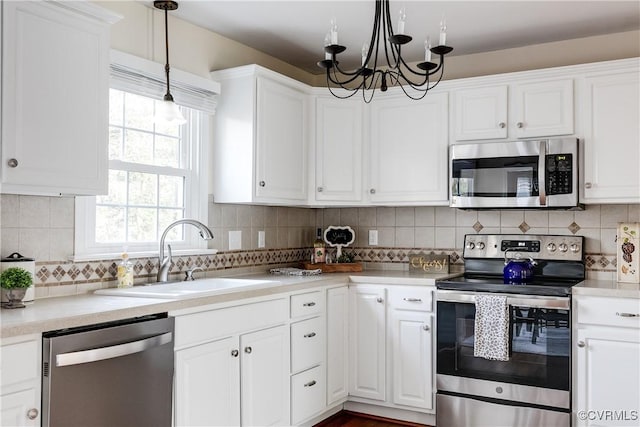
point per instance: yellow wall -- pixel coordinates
(199, 51)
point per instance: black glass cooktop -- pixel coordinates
(479, 283)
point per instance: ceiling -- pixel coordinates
(294, 31)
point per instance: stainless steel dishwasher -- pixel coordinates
(111, 374)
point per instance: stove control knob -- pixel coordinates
(563, 247)
(471, 245)
(551, 247)
(480, 245)
(574, 248)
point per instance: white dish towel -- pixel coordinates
(491, 328)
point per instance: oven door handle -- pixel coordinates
(532, 301)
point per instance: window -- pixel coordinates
(155, 171)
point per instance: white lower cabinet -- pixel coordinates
(337, 344)
(307, 394)
(232, 366)
(20, 381)
(607, 362)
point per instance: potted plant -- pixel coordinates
(15, 281)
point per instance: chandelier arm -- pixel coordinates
(425, 74)
(352, 76)
(395, 50)
(374, 38)
(352, 91)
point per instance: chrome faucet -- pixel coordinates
(165, 263)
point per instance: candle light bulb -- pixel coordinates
(327, 42)
(365, 52)
(443, 32)
(334, 31)
(401, 20)
(427, 50)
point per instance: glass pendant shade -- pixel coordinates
(168, 112)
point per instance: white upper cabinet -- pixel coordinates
(261, 137)
(55, 97)
(521, 110)
(481, 113)
(338, 150)
(612, 137)
(408, 152)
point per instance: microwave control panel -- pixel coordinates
(559, 174)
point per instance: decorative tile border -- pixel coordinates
(51, 274)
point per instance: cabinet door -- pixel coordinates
(607, 376)
(207, 384)
(338, 150)
(409, 150)
(368, 342)
(19, 409)
(543, 108)
(612, 139)
(412, 348)
(281, 153)
(55, 82)
(480, 113)
(265, 377)
(337, 344)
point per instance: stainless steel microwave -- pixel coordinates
(515, 174)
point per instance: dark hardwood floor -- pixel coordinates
(354, 419)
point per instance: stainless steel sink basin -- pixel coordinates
(190, 289)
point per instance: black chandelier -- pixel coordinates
(396, 71)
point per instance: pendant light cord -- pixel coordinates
(167, 96)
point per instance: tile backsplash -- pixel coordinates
(43, 228)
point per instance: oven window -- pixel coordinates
(496, 177)
(540, 349)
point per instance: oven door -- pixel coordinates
(540, 342)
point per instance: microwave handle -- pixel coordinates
(542, 173)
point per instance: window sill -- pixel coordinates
(141, 254)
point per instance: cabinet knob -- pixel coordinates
(234, 353)
(380, 300)
(32, 413)
(372, 191)
(502, 125)
(426, 327)
(248, 350)
(320, 189)
(588, 185)
(581, 344)
(13, 163)
(262, 183)
(519, 125)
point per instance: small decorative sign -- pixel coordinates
(339, 237)
(628, 248)
(429, 263)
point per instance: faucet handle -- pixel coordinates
(188, 274)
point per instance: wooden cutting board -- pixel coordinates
(335, 267)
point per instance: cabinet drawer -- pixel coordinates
(307, 343)
(609, 311)
(19, 362)
(308, 304)
(197, 328)
(411, 298)
(307, 394)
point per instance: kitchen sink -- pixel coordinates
(188, 289)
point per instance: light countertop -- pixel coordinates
(607, 288)
(66, 312)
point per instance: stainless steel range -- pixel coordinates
(504, 345)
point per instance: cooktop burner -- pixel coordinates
(557, 264)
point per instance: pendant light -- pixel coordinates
(167, 112)
(390, 69)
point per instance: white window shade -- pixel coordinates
(140, 76)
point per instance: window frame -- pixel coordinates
(195, 137)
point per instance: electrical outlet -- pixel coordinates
(373, 237)
(261, 242)
(235, 240)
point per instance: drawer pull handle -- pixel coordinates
(310, 335)
(412, 299)
(627, 314)
(308, 304)
(310, 383)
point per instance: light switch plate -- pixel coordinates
(373, 237)
(261, 242)
(235, 240)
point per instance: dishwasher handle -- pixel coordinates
(111, 352)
